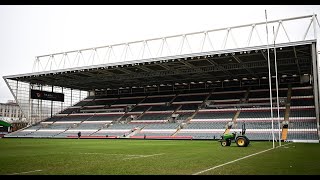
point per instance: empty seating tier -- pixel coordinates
(185, 114)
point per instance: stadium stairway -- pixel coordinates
(61, 132)
(189, 118)
(206, 99)
(178, 108)
(143, 112)
(134, 132)
(119, 119)
(199, 107)
(234, 119)
(126, 112)
(284, 132)
(177, 131)
(170, 102)
(230, 123)
(142, 100)
(95, 131)
(87, 118)
(227, 130)
(105, 125)
(171, 119)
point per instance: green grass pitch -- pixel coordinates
(154, 157)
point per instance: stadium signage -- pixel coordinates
(45, 95)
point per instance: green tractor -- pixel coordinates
(241, 140)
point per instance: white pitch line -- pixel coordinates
(115, 154)
(91, 153)
(143, 156)
(25, 172)
(236, 160)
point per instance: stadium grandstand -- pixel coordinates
(191, 86)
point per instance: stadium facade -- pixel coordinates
(243, 58)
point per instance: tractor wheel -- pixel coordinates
(223, 143)
(247, 139)
(228, 142)
(241, 141)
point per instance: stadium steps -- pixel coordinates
(127, 119)
(178, 129)
(233, 121)
(106, 125)
(61, 132)
(206, 99)
(88, 118)
(135, 132)
(246, 96)
(114, 102)
(199, 107)
(284, 132)
(32, 132)
(94, 132)
(236, 115)
(170, 118)
(126, 112)
(189, 118)
(61, 118)
(119, 119)
(72, 106)
(170, 102)
(226, 131)
(141, 101)
(245, 99)
(288, 103)
(82, 106)
(143, 113)
(178, 108)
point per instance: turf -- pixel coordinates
(153, 157)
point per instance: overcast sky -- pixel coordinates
(28, 31)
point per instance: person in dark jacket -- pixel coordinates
(79, 135)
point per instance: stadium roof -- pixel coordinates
(294, 58)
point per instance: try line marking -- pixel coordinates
(25, 172)
(236, 160)
(142, 156)
(131, 156)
